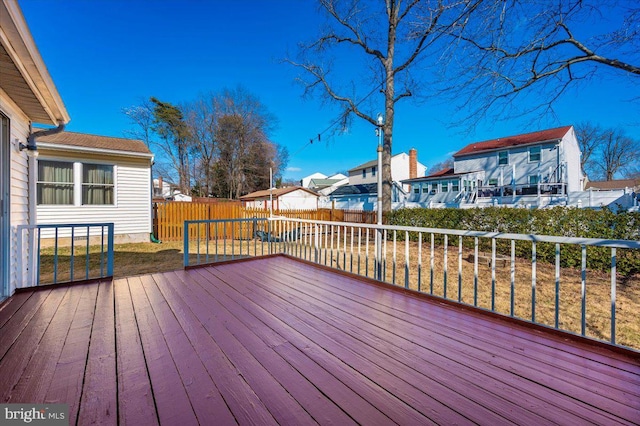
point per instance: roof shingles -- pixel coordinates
(510, 141)
(85, 140)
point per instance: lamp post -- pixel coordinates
(379, 133)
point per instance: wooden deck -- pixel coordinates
(279, 341)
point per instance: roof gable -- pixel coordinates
(511, 141)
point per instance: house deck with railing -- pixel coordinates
(276, 340)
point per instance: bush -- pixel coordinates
(557, 221)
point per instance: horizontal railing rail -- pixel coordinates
(57, 253)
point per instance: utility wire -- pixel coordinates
(336, 121)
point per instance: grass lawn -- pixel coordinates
(143, 258)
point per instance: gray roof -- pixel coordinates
(369, 188)
(323, 182)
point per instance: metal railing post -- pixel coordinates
(185, 246)
(110, 249)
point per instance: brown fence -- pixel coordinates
(169, 217)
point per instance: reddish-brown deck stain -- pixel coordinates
(278, 341)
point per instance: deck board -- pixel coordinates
(136, 404)
(278, 341)
(99, 402)
(541, 376)
(34, 380)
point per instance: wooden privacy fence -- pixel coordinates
(169, 217)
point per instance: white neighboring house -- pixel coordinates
(403, 166)
(93, 179)
(27, 96)
(168, 191)
(291, 198)
(362, 191)
(305, 181)
(536, 169)
(161, 188)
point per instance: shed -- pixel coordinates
(291, 198)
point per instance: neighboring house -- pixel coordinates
(305, 181)
(362, 191)
(92, 179)
(403, 166)
(168, 191)
(328, 185)
(632, 185)
(162, 188)
(539, 168)
(364, 197)
(27, 96)
(291, 198)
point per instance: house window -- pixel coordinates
(533, 180)
(455, 185)
(493, 182)
(445, 186)
(97, 184)
(425, 188)
(416, 188)
(534, 154)
(55, 182)
(373, 171)
(364, 173)
(434, 187)
(503, 158)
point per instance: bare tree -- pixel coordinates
(201, 117)
(547, 45)
(443, 165)
(390, 38)
(617, 153)
(141, 116)
(606, 153)
(590, 139)
(245, 154)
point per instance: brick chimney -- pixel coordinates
(413, 163)
(160, 183)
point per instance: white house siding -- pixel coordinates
(399, 171)
(295, 200)
(19, 205)
(131, 213)
(571, 150)
(298, 200)
(518, 157)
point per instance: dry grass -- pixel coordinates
(133, 259)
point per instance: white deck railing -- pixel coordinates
(462, 266)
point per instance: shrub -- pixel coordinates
(557, 221)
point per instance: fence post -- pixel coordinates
(315, 243)
(185, 239)
(110, 230)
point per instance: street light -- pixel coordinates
(379, 133)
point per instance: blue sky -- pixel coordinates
(105, 55)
